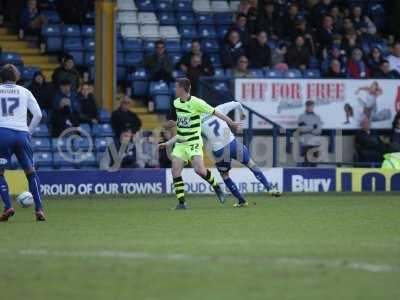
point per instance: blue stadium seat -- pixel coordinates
(145, 5)
(176, 57)
(172, 46)
(210, 46)
(140, 85)
(185, 18)
(53, 44)
(273, 74)
(71, 31)
(186, 45)
(219, 73)
(133, 58)
(78, 57)
(149, 47)
(11, 58)
(42, 130)
(164, 5)
(86, 128)
(215, 59)
(183, 5)
(207, 32)
(101, 144)
(178, 74)
(204, 19)
(222, 31)
(258, 73)
(64, 160)
(104, 115)
(223, 18)
(120, 59)
(41, 144)
(312, 73)
(314, 63)
(162, 102)
(293, 73)
(90, 15)
(121, 73)
(89, 59)
(166, 18)
(89, 44)
(82, 144)
(88, 31)
(51, 31)
(86, 159)
(120, 46)
(52, 16)
(43, 159)
(74, 43)
(28, 72)
(221, 86)
(102, 130)
(59, 144)
(133, 45)
(159, 87)
(188, 32)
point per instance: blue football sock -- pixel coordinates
(5, 195)
(260, 176)
(234, 190)
(34, 188)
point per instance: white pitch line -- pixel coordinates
(311, 262)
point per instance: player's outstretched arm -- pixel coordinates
(233, 124)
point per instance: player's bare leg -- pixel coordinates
(200, 169)
(179, 187)
(5, 195)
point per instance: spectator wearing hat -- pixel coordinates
(66, 71)
(259, 52)
(123, 118)
(335, 53)
(310, 128)
(42, 90)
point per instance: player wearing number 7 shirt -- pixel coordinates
(225, 148)
(15, 101)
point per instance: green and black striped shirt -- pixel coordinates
(187, 115)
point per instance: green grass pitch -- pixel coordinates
(309, 246)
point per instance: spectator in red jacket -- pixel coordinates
(356, 67)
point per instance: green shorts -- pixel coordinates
(186, 152)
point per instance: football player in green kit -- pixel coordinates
(186, 112)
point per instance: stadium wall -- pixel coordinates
(159, 181)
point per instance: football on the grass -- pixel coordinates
(25, 199)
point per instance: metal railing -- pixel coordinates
(249, 132)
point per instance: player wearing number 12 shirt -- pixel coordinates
(15, 101)
(186, 115)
